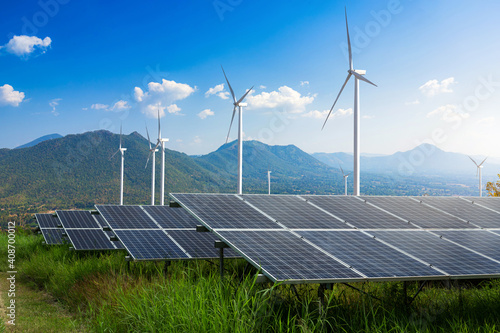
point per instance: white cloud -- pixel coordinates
(8, 96)
(322, 114)
(304, 83)
(197, 140)
(487, 122)
(23, 45)
(286, 98)
(262, 87)
(205, 113)
(120, 105)
(415, 102)
(434, 87)
(159, 95)
(368, 117)
(53, 104)
(218, 90)
(99, 106)
(173, 109)
(448, 112)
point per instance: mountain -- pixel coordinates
(40, 139)
(425, 159)
(75, 171)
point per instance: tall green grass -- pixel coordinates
(191, 297)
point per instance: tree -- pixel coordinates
(493, 188)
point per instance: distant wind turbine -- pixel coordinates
(478, 172)
(152, 151)
(161, 142)
(122, 151)
(238, 104)
(345, 179)
(358, 75)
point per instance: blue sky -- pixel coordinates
(77, 66)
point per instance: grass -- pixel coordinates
(105, 296)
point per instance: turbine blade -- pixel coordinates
(114, 154)
(483, 161)
(362, 78)
(149, 140)
(232, 118)
(341, 169)
(242, 98)
(348, 40)
(159, 126)
(229, 85)
(343, 86)
(348, 174)
(473, 160)
(147, 161)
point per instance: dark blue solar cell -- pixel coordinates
(71, 219)
(47, 221)
(199, 245)
(53, 236)
(89, 239)
(126, 217)
(171, 217)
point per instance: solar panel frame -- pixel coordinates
(77, 219)
(456, 261)
(53, 236)
(47, 221)
(286, 248)
(370, 256)
(423, 216)
(220, 211)
(126, 217)
(170, 217)
(89, 239)
(492, 203)
(358, 213)
(199, 245)
(294, 212)
(475, 214)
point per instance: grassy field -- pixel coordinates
(97, 292)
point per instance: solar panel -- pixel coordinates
(489, 202)
(150, 245)
(53, 236)
(126, 217)
(369, 256)
(284, 256)
(464, 209)
(419, 214)
(171, 217)
(47, 221)
(357, 213)
(224, 211)
(89, 239)
(481, 241)
(440, 253)
(294, 212)
(77, 219)
(200, 245)
(48, 224)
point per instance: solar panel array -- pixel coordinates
(48, 224)
(84, 231)
(159, 233)
(297, 239)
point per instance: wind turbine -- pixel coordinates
(238, 104)
(345, 179)
(358, 75)
(152, 151)
(161, 142)
(122, 151)
(269, 182)
(478, 172)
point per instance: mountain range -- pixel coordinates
(75, 171)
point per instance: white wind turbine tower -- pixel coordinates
(358, 75)
(161, 142)
(122, 151)
(152, 151)
(240, 105)
(479, 168)
(345, 179)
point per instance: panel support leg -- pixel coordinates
(165, 268)
(221, 262)
(321, 298)
(418, 292)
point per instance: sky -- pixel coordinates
(70, 66)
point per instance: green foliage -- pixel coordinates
(190, 297)
(493, 188)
